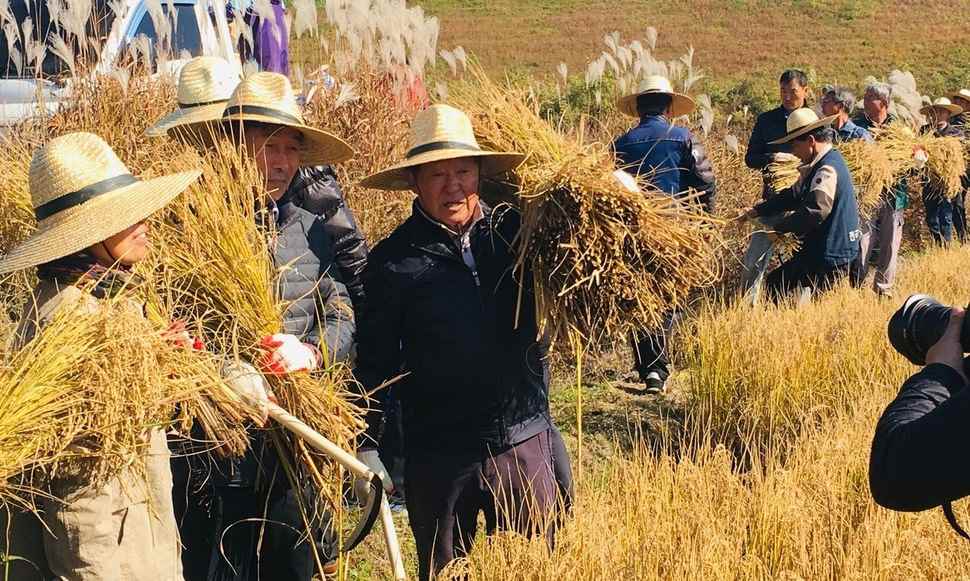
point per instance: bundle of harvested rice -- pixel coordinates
(217, 269)
(77, 400)
(872, 173)
(783, 171)
(946, 165)
(605, 260)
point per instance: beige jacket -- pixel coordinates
(123, 531)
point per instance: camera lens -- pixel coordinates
(917, 326)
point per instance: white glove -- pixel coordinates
(249, 385)
(372, 459)
(627, 181)
(286, 354)
(920, 157)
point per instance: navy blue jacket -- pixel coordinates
(477, 379)
(916, 462)
(835, 241)
(668, 157)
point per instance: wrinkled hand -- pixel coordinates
(948, 349)
(286, 354)
(249, 385)
(372, 459)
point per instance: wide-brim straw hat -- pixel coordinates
(205, 85)
(961, 94)
(680, 104)
(267, 97)
(438, 133)
(83, 194)
(802, 121)
(941, 103)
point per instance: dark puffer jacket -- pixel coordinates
(316, 190)
(477, 380)
(319, 310)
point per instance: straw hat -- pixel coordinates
(83, 194)
(205, 85)
(802, 121)
(961, 94)
(941, 103)
(268, 98)
(680, 104)
(441, 132)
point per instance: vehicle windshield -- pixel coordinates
(13, 60)
(186, 37)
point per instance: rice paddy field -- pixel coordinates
(753, 464)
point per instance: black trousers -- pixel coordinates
(650, 353)
(960, 216)
(785, 280)
(516, 490)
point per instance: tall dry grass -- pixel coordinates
(797, 391)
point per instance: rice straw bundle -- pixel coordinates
(872, 173)
(604, 260)
(78, 398)
(218, 270)
(783, 171)
(946, 165)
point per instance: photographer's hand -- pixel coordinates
(948, 349)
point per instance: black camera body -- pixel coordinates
(919, 324)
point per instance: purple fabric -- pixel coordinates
(271, 39)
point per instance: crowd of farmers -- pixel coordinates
(455, 368)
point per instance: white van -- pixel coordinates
(199, 28)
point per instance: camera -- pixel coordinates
(919, 324)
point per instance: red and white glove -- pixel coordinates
(178, 335)
(920, 156)
(287, 354)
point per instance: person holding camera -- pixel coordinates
(914, 463)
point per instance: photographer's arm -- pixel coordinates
(915, 463)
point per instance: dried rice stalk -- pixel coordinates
(872, 173)
(78, 398)
(783, 171)
(218, 271)
(605, 261)
(946, 165)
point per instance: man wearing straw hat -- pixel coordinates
(668, 158)
(91, 230)
(883, 236)
(962, 100)
(445, 310)
(821, 210)
(938, 205)
(205, 86)
(318, 325)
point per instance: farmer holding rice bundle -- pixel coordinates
(822, 210)
(444, 308)
(882, 239)
(91, 231)
(939, 206)
(670, 159)
(205, 86)
(318, 326)
(962, 100)
(762, 148)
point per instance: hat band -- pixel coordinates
(438, 145)
(264, 111)
(78, 197)
(200, 104)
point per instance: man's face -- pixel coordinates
(448, 190)
(792, 95)
(277, 151)
(941, 115)
(803, 148)
(961, 102)
(874, 107)
(830, 107)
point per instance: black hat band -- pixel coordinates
(78, 197)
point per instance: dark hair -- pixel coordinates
(821, 134)
(653, 104)
(794, 75)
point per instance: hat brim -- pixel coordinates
(398, 177)
(953, 109)
(823, 122)
(319, 148)
(184, 117)
(680, 105)
(96, 220)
